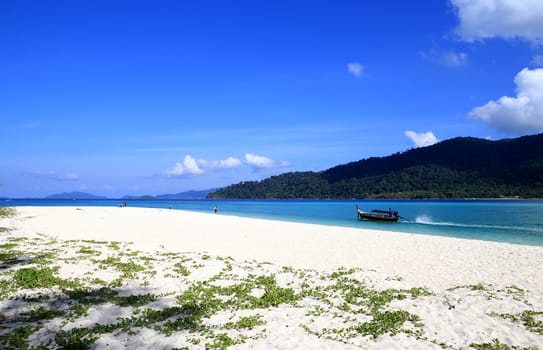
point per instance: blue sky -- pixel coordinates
(152, 97)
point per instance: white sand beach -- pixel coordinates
(474, 293)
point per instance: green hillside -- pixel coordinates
(462, 167)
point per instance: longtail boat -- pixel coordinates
(377, 215)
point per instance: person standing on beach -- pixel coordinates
(216, 209)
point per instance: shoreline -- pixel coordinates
(158, 278)
(8, 199)
(416, 222)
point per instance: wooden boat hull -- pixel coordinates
(362, 215)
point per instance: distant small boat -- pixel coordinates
(377, 215)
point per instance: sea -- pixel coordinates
(511, 221)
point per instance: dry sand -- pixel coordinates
(431, 261)
(479, 288)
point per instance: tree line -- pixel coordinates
(456, 168)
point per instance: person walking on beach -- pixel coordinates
(215, 209)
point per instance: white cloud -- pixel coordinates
(422, 139)
(448, 58)
(484, 19)
(51, 174)
(355, 69)
(193, 166)
(188, 167)
(261, 162)
(520, 114)
(227, 163)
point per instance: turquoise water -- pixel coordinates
(513, 221)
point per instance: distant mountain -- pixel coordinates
(74, 195)
(463, 167)
(187, 195)
(147, 196)
(182, 195)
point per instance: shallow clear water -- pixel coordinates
(513, 221)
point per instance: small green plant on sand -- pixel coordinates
(6, 212)
(114, 245)
(32, 277)
(384, 322)
(128, 269)
(181, 269)
(247, 322)
(220, 341)
(474, 287)
(88, 250)
(495, 344)
(8, 246)
(76, 338)
(527, 318)
(17, 338)
(8, 255)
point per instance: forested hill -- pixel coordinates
(462, 167)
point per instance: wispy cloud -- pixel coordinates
(445, 58)
(520, 114)
(537, 60)
(54, 175)
(508, 19)
(422, 139)
(227, 163)
(355, 69)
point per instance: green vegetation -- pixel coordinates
(88, 250)
(18, 338)
(497, 345)
(6, 212)
(456, 168)
(76, 338)
(385, 322)
(528, 318)
(128, 269)
(356, 298)
(35, 278)
(475, 287)
(226, 304)
(248, 322)
(181, 269)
